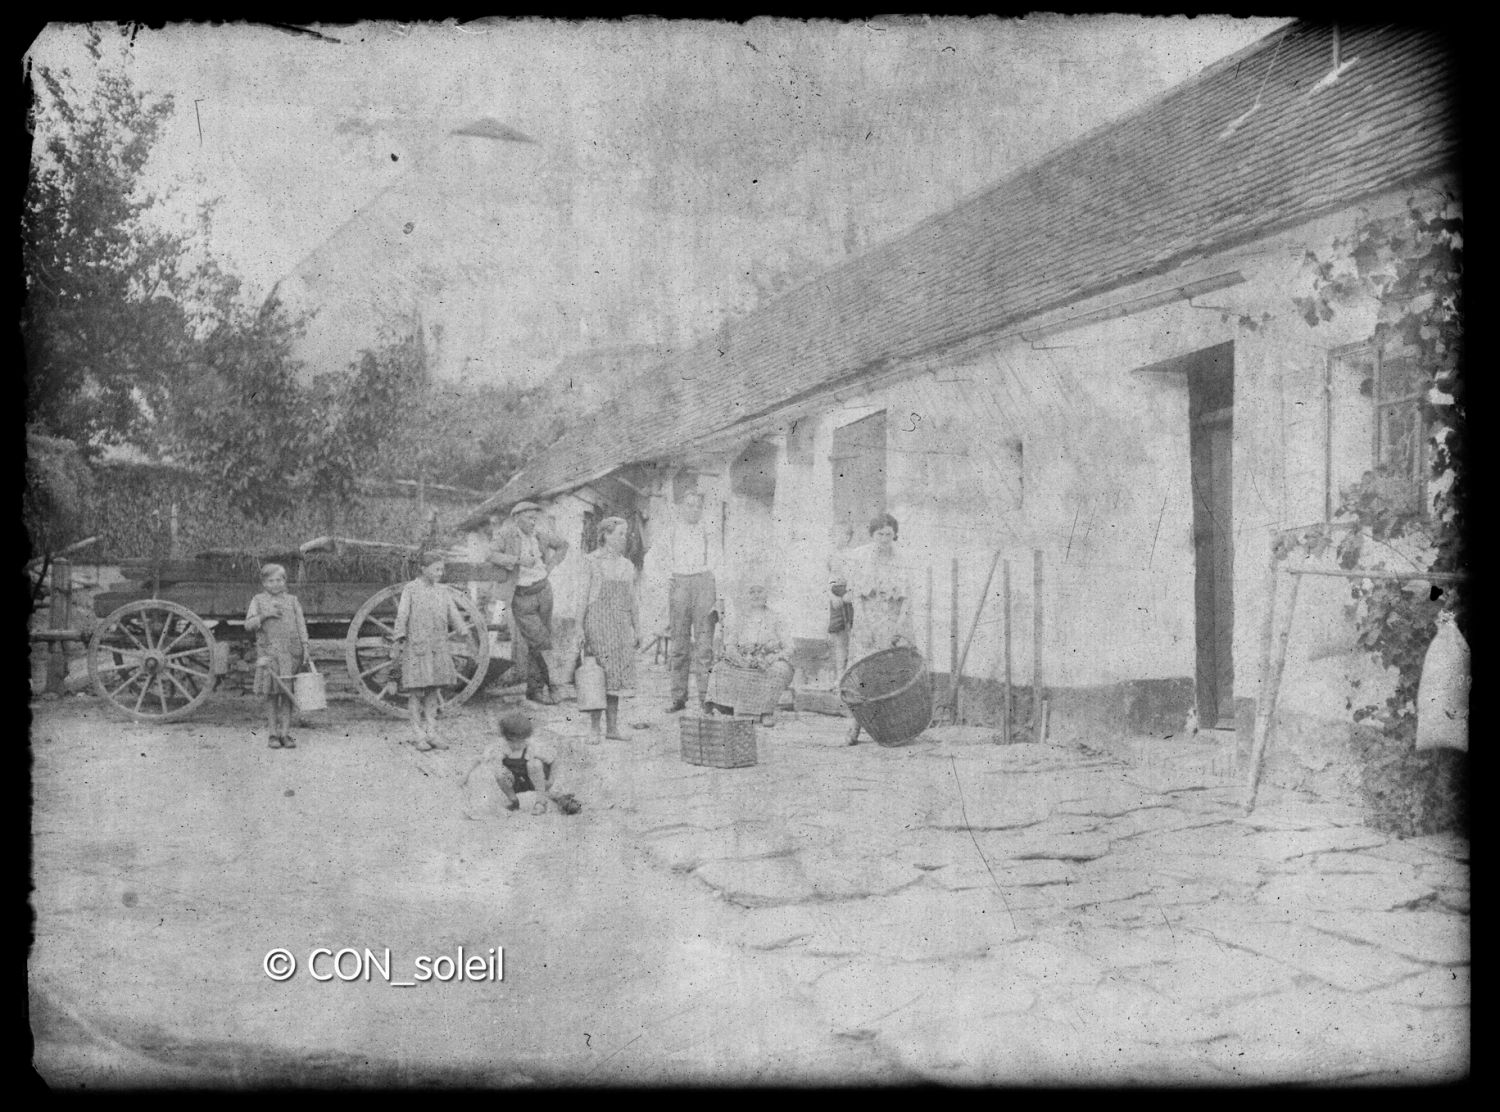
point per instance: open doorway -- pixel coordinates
(858, 461)
(1210, 379)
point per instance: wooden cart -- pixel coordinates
(170, 626)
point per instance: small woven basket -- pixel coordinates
(718, 742)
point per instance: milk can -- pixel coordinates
(588, 681)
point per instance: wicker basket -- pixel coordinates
(890, 694)
(718, 742)
(748, 690)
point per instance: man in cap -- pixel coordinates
(526, 552)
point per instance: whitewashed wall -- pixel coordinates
(1065, 445)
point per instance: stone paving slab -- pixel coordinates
(1316, 1033)
(1302, 814)
(1196, 970)
(874, 995)
(1352, 862)
(1423, 851)
(833, 876)
(1126, 1008)
(980, 812)
(912, 925)
(1145, 820)
(1025, 846)
(1351, 966)
(1219, 839)
(1284, 845)
(1341, 891)
(1031, 1049)
(1454, 899)
(1449, 987)
(1445, 873)
(1237, 873)
(1111, 801)
(759, 883)
(1426, 936)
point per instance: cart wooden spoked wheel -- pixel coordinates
(153, 660)
(370, 652)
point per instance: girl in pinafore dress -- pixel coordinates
(425, 617)
(280, 629)
(610, 620)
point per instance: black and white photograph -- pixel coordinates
(760, 553)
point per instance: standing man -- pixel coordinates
(692, 600)
(527, 552)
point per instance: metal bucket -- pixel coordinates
(588, 681)
(310, 691)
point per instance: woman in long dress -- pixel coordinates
(611, 621)
(754, 639)
(880, 587)
(425, 617)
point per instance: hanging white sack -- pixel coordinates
(1443, 693)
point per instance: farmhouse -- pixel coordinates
(1094, 368)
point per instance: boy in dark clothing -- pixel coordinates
(520, 762)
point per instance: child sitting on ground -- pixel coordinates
(520, 762)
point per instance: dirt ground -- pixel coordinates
(946, 911)
(169, 859)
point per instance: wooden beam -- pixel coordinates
(1267, 712)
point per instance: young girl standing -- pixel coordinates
(280, 629)
(610, 622)
(424, 618)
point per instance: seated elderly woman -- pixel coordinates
(752, 664)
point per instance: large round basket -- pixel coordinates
(748, 690)
(890, 694)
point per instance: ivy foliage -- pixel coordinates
(1411, 266)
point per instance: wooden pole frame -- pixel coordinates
(1038, 693)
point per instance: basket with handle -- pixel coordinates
(890, 694)
(748, 690)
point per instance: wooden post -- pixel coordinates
(1005, 589)
(174, 549)
(421, 499)
(59, 616)
(1267, 711)
(953, 635)
(1037, 695)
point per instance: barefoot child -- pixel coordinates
(611, 622)
(425, 616)
(520, 762)
(280, 629)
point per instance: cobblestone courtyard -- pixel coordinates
(951, 910)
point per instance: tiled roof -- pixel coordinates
(1136, 198)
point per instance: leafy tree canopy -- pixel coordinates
(135, 336)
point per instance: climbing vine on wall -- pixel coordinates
(1411, 266)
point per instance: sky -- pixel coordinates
(685, 157)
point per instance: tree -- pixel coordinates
(135, 336)
(475, 437)
(1412, 266)
(106, 314)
